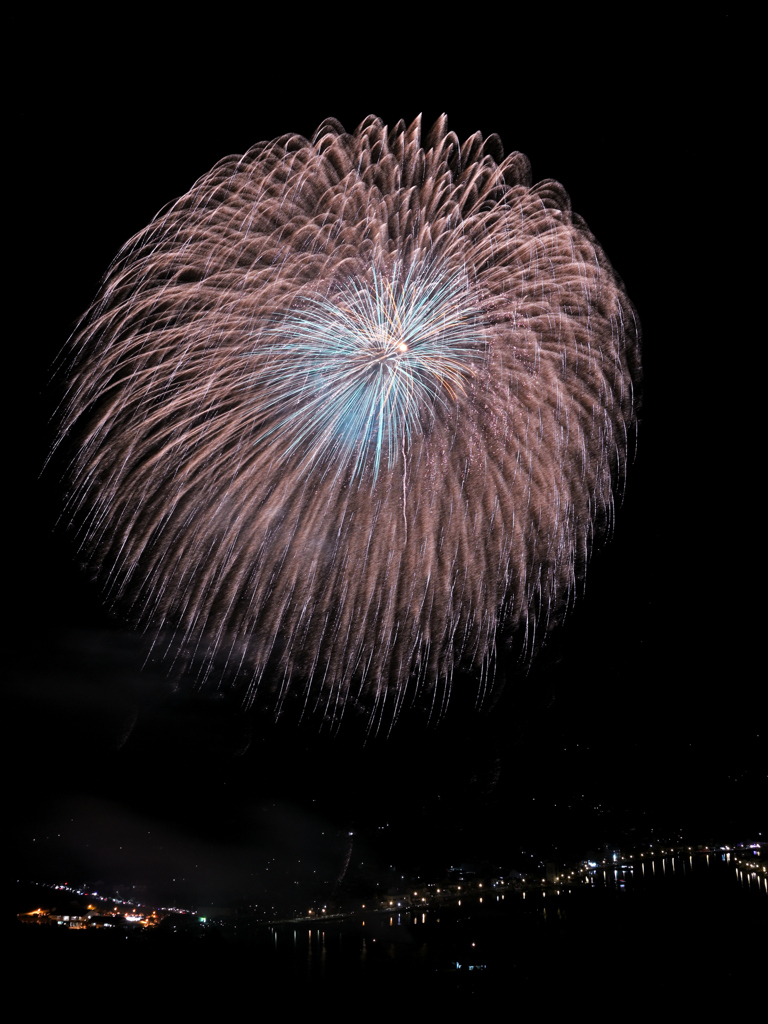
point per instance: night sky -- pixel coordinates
(640, 719)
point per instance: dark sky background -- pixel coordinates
(641, 718)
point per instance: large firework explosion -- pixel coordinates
(350, 411)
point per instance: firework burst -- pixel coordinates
(349, 411)
(346, 378)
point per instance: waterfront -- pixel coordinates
(673, 920)
(686, 926)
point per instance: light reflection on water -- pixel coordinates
(618, 919)
(690, 923)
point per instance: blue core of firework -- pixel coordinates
(347, 379)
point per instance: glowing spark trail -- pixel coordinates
(347, 376)
(350, 410)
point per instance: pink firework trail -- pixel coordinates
(351, 410)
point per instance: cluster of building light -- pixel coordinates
(619, 860)
(566, 877)
(92, 917)
(114, 900)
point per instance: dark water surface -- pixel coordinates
(672, 931)
(660, 927)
